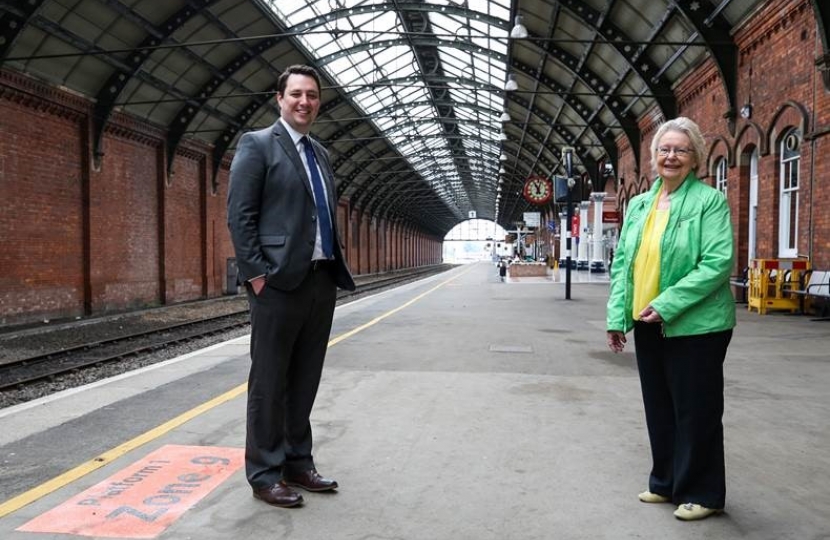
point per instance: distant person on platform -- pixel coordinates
(502, 270)
(670, 283)
(281, 214)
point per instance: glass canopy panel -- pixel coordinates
(369, 54)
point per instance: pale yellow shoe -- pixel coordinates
(692, 512)
(649, 497)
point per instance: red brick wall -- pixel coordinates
(821, 196)
(373, 247)
(144, 238)
(778, 76)
(403, 242)
(364, 243)
(387, 246)
(124, 227)
(219, 247)
(777, 45)
(184, 230)
(396, 245)
(136, 241)
(353, 244)
(41, 213)
(409, 246)
(381, 245)
(345, 231)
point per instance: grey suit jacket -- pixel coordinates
(271, 213)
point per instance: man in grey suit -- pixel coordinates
(281, 202)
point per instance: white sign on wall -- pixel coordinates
(471, 214)
(532, 219)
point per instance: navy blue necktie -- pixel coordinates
(323, 214)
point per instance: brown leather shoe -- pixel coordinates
(310, 480)
(279, 495)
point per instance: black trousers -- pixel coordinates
(289, 337)
(682, 385)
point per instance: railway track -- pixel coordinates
(19, 373)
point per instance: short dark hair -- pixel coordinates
(297, 69)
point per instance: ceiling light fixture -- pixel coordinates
(503, 157)
(505, 117)
(502, 136)
(511, 85)
(519, 31)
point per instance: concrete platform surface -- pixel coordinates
(457, 407)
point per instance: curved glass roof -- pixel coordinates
(414, 111)
(431, 81)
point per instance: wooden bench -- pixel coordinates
(741, 283)
(817, 287)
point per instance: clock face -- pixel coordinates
(538, 190)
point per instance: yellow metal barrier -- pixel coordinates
(770, 281)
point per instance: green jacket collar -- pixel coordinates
(684, 187)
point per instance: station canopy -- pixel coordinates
(431, 109)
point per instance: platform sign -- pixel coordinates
(532, 219)
(145, 498)
(610, 216)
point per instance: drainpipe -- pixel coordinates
(813, 138)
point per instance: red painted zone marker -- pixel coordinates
(145, 498)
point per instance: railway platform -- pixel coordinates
(454, 407)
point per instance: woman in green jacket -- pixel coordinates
(670, 284)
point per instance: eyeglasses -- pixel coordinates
(679, 152)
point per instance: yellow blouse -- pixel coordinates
(647, 262)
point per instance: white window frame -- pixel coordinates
(789, 164)
(721, 179)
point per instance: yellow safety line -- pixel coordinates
(18, 502)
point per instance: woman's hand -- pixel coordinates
(649, 315)
(616, 341)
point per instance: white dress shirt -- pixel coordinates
(296, 136)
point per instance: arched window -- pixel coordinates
(721, 182)
(790, 153)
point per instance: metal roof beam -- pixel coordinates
(616, 37)
(186, 114)
(582, 110)
(107, 97)
(13, 20)
(821, 10)
(401, 7)
(429, 62)
(715, 31)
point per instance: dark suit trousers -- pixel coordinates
(682, 385)
(289, 336)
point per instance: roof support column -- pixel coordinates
(822, 13)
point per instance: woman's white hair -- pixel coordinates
(683, 125)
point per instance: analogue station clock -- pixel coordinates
(538, 190)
